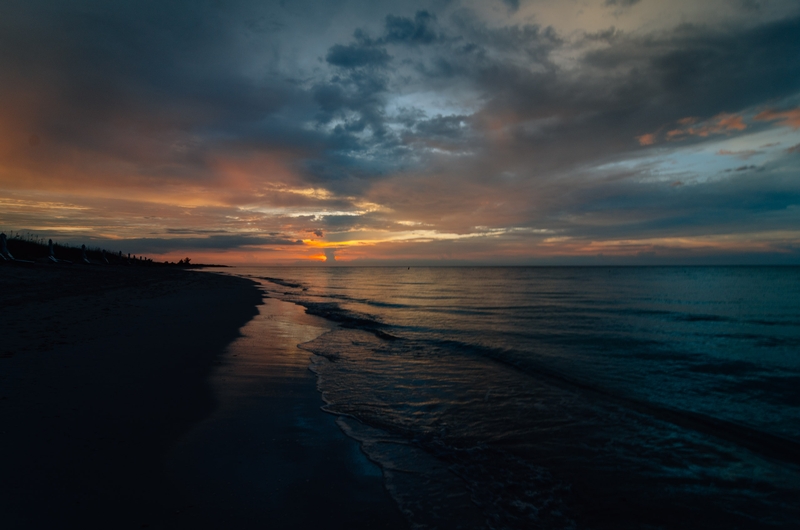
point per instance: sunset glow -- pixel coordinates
(428, 132)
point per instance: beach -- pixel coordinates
(115, 409)
(608, 398)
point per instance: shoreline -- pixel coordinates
(167, 398)
(269, 456)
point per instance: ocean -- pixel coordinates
(565, 397)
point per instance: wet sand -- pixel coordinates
(107, 411)
(268, 457)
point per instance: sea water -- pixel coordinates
(565, 397)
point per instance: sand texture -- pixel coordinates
(101, 370)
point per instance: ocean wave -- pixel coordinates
(474, 399)
(759, 441)
(765, 443)
(503, 433)
(284, 283)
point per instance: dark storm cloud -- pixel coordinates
(147, 63)
(633, 86)
(462, 54)
(739, 204)
(150, 83)
(478, 39)
(356, 91)
(169, 68)
(402, 30)
(357, 96)
(653, 79)
(622, 3)
(751, 5)
(704, 74)
(513, 5)
(356, 55)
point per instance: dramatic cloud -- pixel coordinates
(504, 131)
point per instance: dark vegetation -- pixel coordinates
(30, 247)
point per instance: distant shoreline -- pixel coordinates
(27, 250)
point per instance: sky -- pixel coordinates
(504, 132)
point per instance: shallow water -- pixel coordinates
(566, 397)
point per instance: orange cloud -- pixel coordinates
(729, 122)
(647, 139)
(720, 124)
(723, 123)
(776, 241)
(789, 118)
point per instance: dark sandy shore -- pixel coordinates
(123, 405)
